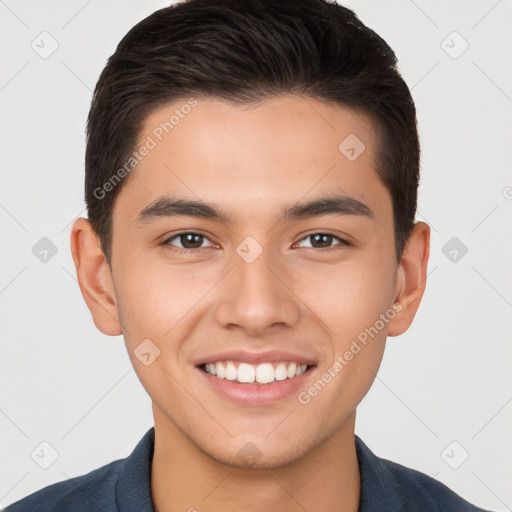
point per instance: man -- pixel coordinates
(251, 181)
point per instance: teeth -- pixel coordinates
(291, 371)
(231, 373)
(263, 373)
(280, 372)
(246, 373)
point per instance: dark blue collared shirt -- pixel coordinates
(125, 486)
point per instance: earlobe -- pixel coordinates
(94, 277)
(411, 278)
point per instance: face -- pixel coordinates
(287, 257)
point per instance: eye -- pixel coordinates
(323, 240)
(187, 240)
(193, 242)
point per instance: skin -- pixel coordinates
(295, 296)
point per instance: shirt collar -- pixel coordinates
(379, 488)
(133, 490)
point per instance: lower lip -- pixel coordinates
(257, 394)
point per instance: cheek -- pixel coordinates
(353, 303)
(357, 307)
(347, 298)
(153, 303)
(152, 299)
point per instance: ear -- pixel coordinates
(411, 278)
(94, 277)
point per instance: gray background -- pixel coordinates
(444, 389)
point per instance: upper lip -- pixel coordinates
(255, 357)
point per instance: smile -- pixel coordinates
(263, 373)
(256, 385)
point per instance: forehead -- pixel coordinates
(273, 152)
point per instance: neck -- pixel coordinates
(185, 478)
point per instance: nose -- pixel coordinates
(257, 296)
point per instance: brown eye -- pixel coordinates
(187, 241)
(324, 241)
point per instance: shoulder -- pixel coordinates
(124, 484)
(424, 492)
(403, 488)
(92, 491)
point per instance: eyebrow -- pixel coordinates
(167, 206)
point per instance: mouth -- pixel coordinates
(260, 374)
(255, 384)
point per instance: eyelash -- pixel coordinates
(166, 244)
